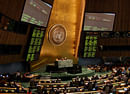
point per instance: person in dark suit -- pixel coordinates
(18, 76)
(125, 78)
(95, 87)
(106, 89)
(44, 90)
(57, 91)
(39, 90)
(52, 91)
(90, 86)
(77, 89)
(81, 82)
(87, 79)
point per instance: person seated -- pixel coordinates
(44, 90)
(90, 86)
(57, 91)
(72, 84)
(32, 84)
(18, 76)
(2, 83)
(128, 70)
(125, 78)
(0, 90)
(52, 91)
(93, 78)
(77, 89)
(68, 91)
(58, 80)
(39, 90)
(13, 84)
(65, 58)
(6, 91)
(1, 76)
(86, 86)
(12, 77)
(17, 89)
(86, 78)
(81, 82)
(12, 91)
(20, 90)
(62, 58)
(57, 59)
(7, 76)
(96, 77)
(95, 84)
(106, 89)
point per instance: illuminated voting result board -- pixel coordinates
(36, 12)
(98, 21)
(90, 45)
(35, 43)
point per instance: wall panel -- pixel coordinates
(12, 8)
(12, 38)
(122, 22)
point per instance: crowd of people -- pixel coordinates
(10, 83)
(115, 81)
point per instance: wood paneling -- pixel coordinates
(11, 59)
(49, 1)
(120, 7)
(12, 38)
(122, 22)
(12, 8)
(7, 37)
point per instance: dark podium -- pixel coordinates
(64, 66)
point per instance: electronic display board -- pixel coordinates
(36, 12)
(90, 45)
(35, 43)
(98, 21)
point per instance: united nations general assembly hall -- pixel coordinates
(64, 46)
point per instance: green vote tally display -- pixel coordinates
(90, 46)
(35, 44)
